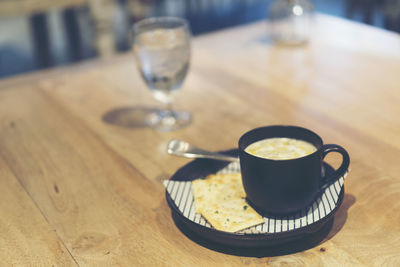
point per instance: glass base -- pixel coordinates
(169, 120)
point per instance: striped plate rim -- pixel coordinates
(181, 194)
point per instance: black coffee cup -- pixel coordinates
(284, 187)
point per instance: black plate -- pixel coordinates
(203, 167)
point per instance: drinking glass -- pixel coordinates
(290, 21)
(162, 49)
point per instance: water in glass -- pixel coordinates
(164, 61)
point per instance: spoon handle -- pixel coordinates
(183, 149)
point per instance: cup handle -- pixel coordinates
(333, 177)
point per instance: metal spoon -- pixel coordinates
(184, 149)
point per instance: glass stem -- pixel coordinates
(168, 112)
(169, 106)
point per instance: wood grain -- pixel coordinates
(98, 184)
(26, 236)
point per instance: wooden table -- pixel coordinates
(76, 190)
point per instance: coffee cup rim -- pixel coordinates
(242, 149)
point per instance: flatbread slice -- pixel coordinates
(217, 187)
(220, 199)
(232, 215)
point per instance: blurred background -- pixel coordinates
(39, 34)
